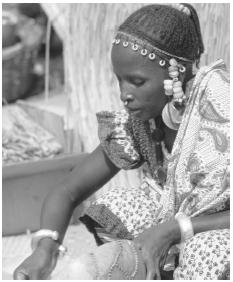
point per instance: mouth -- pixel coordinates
(133, 111)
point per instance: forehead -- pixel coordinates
(127, 60)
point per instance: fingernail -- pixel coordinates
(22, 276)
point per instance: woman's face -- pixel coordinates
(141, 78)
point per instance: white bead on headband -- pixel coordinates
(125, 43)
(135, 47)
(144, 52)
(152, 56)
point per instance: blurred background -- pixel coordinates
(56, 74)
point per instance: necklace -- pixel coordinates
(149, 139)
(157, 135)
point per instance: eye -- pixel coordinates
(137, 81)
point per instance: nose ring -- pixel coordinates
(129, 97)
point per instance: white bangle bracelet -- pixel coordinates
(46, 233)
(186, 227)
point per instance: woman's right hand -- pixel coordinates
(38, 265)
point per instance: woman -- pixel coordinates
(176, 125)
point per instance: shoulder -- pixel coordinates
(114, 122)
(215, 92)
(117, 139)
(215, 75)
(213, 84)
(113, 117)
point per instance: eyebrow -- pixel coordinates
(133, 74)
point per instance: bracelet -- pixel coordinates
(46, 233)
(186, 227)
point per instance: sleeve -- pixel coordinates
(116, 138)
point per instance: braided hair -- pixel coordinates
(168, 29)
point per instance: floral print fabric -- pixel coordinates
(136, 208)
(205, 256)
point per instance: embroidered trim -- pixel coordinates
(109, 221)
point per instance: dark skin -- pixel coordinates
(143, 80)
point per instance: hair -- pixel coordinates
(167, 28)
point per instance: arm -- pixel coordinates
(58, 207)
(156, 241)
(202, 223)
(83, 181)
(220, 220)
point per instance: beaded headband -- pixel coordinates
(145, 47)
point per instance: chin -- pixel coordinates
(143, 116)
(146, 117)
(138, 115)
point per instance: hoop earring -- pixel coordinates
(171, 116)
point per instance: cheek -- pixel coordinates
(155, 94)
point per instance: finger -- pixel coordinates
(150, 269)
(36, 275)
(157, 272)
(164, 257)
(21, 275)
(163, 260)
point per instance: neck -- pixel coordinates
(189, 75)
(169, 137)
(169, 134)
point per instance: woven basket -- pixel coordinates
(17, 66)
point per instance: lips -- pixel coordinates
(132, 110)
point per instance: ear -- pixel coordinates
(187, 75)
(182, 77)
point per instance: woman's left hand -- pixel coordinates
(154, 244)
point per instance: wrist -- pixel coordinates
(48, 244)
(173, 231)
(185, 225)
(48, 240)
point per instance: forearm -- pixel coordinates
(56, 214)
(220, 220)
(94, 171)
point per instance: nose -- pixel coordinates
(126, 98)
(126, 94)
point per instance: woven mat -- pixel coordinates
(16, 248)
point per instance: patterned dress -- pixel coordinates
(197, 180)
